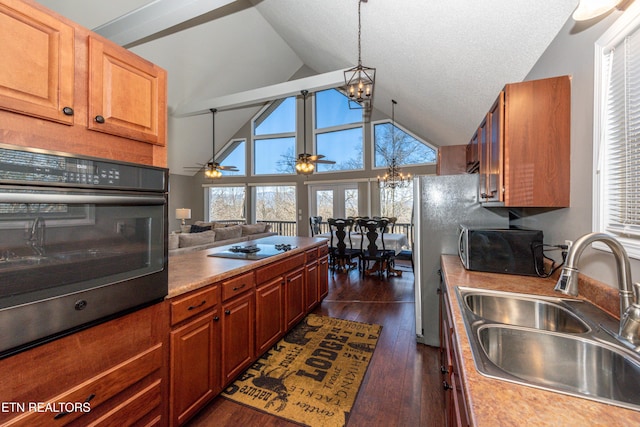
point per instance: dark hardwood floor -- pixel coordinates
(402, 386)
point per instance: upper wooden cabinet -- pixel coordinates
(37, 57)
(524, 159)
(452, 160)
(126, 94)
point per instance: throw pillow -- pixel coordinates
(193, 239)
(253, 228)
(225, 233)
(199, 229)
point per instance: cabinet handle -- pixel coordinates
(446, 386)
(99, 119)
(236, 288)
(193, 307)
(63, 413)
(444, 370)
(227, 312)
(216, 318)
(67, 111)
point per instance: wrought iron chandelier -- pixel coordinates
(394, 178)
(359, 80)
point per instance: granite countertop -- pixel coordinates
(193, 270)
(494, 402)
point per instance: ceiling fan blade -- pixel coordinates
(228, 168)
(316, 157)
(326, 162)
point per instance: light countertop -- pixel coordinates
(495, 402)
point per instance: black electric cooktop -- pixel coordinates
(253, 252)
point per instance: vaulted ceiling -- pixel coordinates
(443, 61)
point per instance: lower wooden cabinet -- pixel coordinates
(195, 366)
(323, 277)
(294, 297)
(269, 314)
(238, 329)
(312, 293)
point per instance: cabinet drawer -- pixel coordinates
(279, 268)
(312, 255)
(96, 390)
(323, 250)
(237, 285)
(193, 304)
(141, 405)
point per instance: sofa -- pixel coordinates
(205, 235)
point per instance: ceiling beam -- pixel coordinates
(261, 95)
(154, 17)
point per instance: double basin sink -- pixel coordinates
(558, 344)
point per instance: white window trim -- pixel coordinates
(625, 24)
(408, 132)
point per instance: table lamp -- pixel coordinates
(183, 214)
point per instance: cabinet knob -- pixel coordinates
(227, 312)
(216, 318)
(99, 119)
(444, 370)
(67, 111)
(446, 386)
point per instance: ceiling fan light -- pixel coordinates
(589, 9)
(304, 167)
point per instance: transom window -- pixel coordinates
(274, 140)
(391, 142)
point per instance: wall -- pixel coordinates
(572, 52)
(184, 193)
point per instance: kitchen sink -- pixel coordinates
(557, 344)
(521, 311)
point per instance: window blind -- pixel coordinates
(621, 166)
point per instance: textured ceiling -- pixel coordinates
(444, 61)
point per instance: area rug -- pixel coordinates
(313, 374)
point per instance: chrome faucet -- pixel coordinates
(36, 236)
(629, 303)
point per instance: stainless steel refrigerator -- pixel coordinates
(440, 204)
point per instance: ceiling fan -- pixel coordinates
(305, 163)
(213, 169)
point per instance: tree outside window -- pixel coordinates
(227, 203)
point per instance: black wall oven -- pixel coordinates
(82, 240)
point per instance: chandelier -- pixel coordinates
(394, 178)
(359, 80)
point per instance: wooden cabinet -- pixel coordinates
(39, 83)
(195, 353)
(471, 153)
(127, 95)
(452, 160)
(524, 159)
(270, 311)
(60, 83)
(238, 329)
(456, 411)
(312, 293)
(295, 301)
(323, 271)
(116, 371)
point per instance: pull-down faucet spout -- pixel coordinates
(629, 308)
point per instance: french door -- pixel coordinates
(333, 200)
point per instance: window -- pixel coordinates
(226, 203)
(274, 141)
(234, 155)
(338, 132)
(397, 202)
(617, 132)
(393, 142)
(276, 204)
(334, 200)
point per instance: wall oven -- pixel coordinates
(82, 240)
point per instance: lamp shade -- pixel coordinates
(183, 213)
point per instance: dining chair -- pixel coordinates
(314, 223)
(381, 256)
(343, 252)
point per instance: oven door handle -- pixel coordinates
(95, 199)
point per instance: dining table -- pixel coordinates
(395, 241)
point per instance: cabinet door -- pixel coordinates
(269, 314)
(495, 152)
(311, 285)
(195, 366)
(295, 298)
(127, 95)
(483, 159)
(39, 83)
(323, 277)
(237, 335)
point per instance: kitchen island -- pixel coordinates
(491, 402)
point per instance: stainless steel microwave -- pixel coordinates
(512, 250)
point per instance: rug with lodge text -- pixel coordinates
(312, 375)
